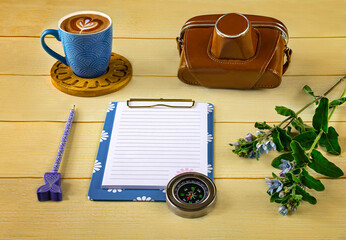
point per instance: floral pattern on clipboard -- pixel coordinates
(111, 107)
(184, 170)
(97, 166)
(114, 190)
(210, 108)
(210, 137)
(143, 199)
(104, 136)
(210, 168)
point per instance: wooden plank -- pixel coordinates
(163, 19)
(160, 57)
(32, 98)
(29, 149)
(243, 211)
(147, 56)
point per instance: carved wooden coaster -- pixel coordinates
(118, 74)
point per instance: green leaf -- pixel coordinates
(298, 197)
(283, 200)
(289, 129)
(306, 139)
(297, 171)
(274, 176)
(301, 126)
(277, 141)
(277, 161)
(330, 141)
(281, 139)
(242, 151)
(284, 138)
(292, 178)
(337, 102)
(306, 196)
(295, 178)
(299, 154)
(320, 119)
(262, 125)
(311, 182)
(274, 197)
(321, 165)
(289, 177)
(309, 91)
(285, 111)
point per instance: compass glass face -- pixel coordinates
(191, 191)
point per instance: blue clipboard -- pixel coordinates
(96, 192)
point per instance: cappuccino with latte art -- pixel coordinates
(87, 40)
(85, 24)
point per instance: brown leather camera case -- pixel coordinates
(233, 51)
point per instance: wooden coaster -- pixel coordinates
(118, 74)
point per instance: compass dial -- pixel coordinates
(191, 194)
(191, 191)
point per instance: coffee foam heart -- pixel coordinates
(85, 24)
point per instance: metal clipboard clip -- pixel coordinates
(131, 100)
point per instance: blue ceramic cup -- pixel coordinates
(87, 54)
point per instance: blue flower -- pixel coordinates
(283, 210)
(251, 154)
(274, 185)
(249, 137)
(259, 148)
(271, 145)
(265, 147)
(286, 166)
(258, 132)
(236, 144)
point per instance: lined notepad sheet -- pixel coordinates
(149, 146)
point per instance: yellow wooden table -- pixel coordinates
(33, 112)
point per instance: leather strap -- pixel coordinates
(288, 53)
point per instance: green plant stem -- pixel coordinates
(306, 106)
(288, 123)
(315, 142)
(321, 131)
(334, 108)
(315, 100)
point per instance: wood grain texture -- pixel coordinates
(31, 149)
(242, 211)
(163, 19)
(144, 32)
(37, 100)
(159, 57)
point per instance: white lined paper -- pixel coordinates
(150, 146)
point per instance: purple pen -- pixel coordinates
(51, 190)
